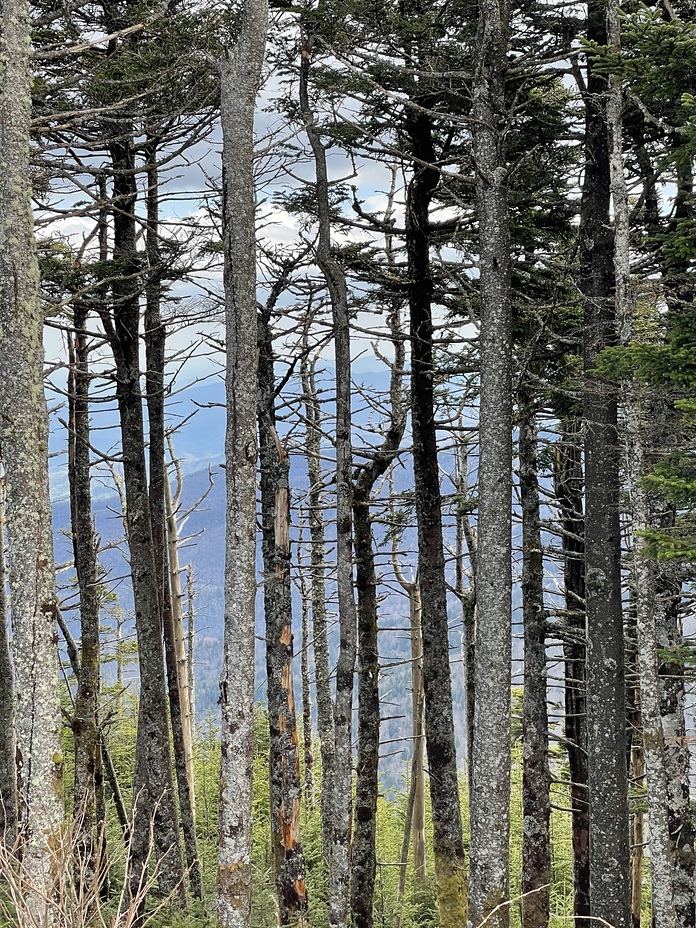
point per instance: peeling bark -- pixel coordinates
(286, 783)
(240, 73)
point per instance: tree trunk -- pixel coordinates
(24, 442)
(490, 795)
(568, 485)
(170, 598)
(339, 883)
(364, 861)
(536, 777)
(306, 688)
(190, 653)
(153, 787)
(85, 721)
(322, 663)
(606, 708)
(638, 774)
(676, 747)
(240, 73)
(8, 744)
(286, 783)
(448, 847)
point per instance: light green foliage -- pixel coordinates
(418, 911)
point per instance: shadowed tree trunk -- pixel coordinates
(568, 485)
(85, 722)
(536, 776)
(448, 847)
(306, 688)
(490, 781)
(153, 786)
(240, 74)
(606, 700)
(286, 783)
(24, 443)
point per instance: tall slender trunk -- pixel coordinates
(286, 783)
(155, 345)
(536, 777)
(240, 74)
(8, 744)
(24, 442)
(322, 663)
(676, 748)
(643, 568)
(85, 722)
(364, 860)
(190, 652)
(490, 793)
(339, 883)
(181, 642)
(306, 687)
(448, 847)
(153, 787)
(606, 705)
(568, 486)
(638, 835)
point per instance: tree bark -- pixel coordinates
(490, 795)
(306, 687)
(448, 847)
(153, 787)
(606, 709)
(568, 486)
(85, 717)
(8, 743)
(536, 776)
(339, 888)
(364, 860)
(322, 663)
(24, 443)
(240, 74)
(155, 346)
(286, 783)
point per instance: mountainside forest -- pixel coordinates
(347, 463)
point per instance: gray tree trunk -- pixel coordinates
(536, 776)
(24, 443)
(8, 744)
(320, 638)
(490, 793)
(339, 882)
(240, 74)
